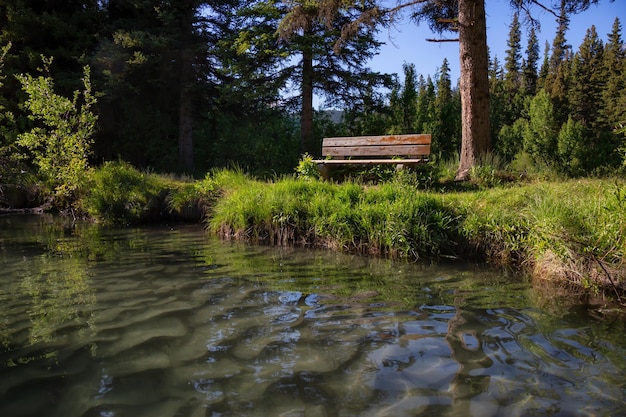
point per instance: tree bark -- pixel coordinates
(474, 85)
(306, 117)
(185, 116)
(185, 132)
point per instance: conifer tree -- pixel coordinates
(512, 66)
(309, 32)
(497, 102)
(613, 109)
(513, 95)
(587, 80)
(403, 102)
(529, 64)
(425, 102)
(559, 68)
(446, 126)
(559, 43)
(542, 76)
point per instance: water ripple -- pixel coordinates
(163, 333)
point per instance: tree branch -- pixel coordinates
(442, 40)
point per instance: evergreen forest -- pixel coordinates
(188, 86)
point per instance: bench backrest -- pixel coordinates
(412, 146)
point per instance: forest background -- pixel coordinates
(194, 85)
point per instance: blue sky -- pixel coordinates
(407, 42)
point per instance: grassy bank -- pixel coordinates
(568, 232)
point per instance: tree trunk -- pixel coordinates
(185, 131)
(306, 117)
(185, 116)
(474, 85)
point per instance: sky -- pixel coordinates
(407, 42)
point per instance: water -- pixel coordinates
(165, 321)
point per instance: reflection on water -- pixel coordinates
(167, 322)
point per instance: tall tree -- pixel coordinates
(513, 95)
(468, 18)
(337, 72)
(426, 96)
(588, 79)
(614, 95)
(542, 76)
(512, 65)
(403, 102)
(159, 68)
(446, 128)
(497, 97)
(529, 64)
(474, 85)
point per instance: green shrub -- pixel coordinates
(61, 139)
(192, 200)
(573, 149)
(117, 193)
(307, 169)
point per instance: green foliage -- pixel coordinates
(573, 148)
(389, 219)
(572, 231)
(511, 139)
(540, 134)
(117, 193)
(264, 142)
(60, 142)
(307, 169)
(192, 200)
(403, 102)
(7, 120)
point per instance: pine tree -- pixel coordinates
(557, 79)
(559, 43)
(497, 102)
(613, 109)
(529, 64)
(587, 80)
(309, 31)
(513, 102)
(545, 68)
(446, 123)
(512, 67)
(403, 102)
(425, 102)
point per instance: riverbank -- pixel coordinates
(570, 233)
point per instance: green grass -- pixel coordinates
(387, 219)
(568, 231)
(571, 232)
(118, 194)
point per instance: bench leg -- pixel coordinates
(324, 170)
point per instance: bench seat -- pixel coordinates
(408, 149)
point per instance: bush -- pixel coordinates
(60, 142)
(307, 169)
(573, 151)
(192, 200)
(117, 193)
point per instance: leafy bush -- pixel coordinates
(307, 169)
(193, 200)
(573, 151)
(60, 142)
(117, 193)
(541, 132)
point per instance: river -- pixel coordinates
(167, 321)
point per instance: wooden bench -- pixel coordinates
(373, 150)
